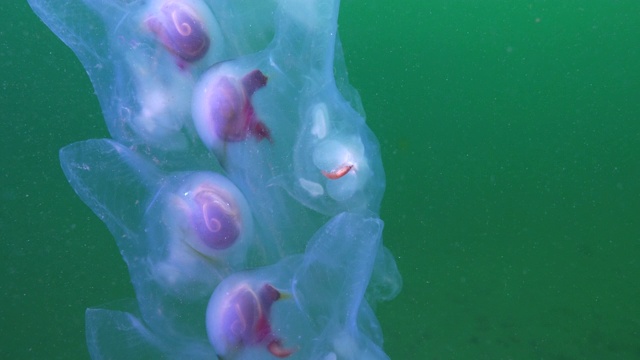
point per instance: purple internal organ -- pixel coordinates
(216, 222)
(208, 213)
(223, 110)
(181, 31)
(244, 320)
(231, 109)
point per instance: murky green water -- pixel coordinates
(510, 133)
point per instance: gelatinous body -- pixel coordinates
(237, 248)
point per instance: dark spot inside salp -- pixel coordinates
(254, 81)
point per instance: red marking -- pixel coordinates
(338, 173)
(251, 82)
(275, 348)
(261, 131)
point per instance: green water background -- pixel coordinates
(510, 133)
